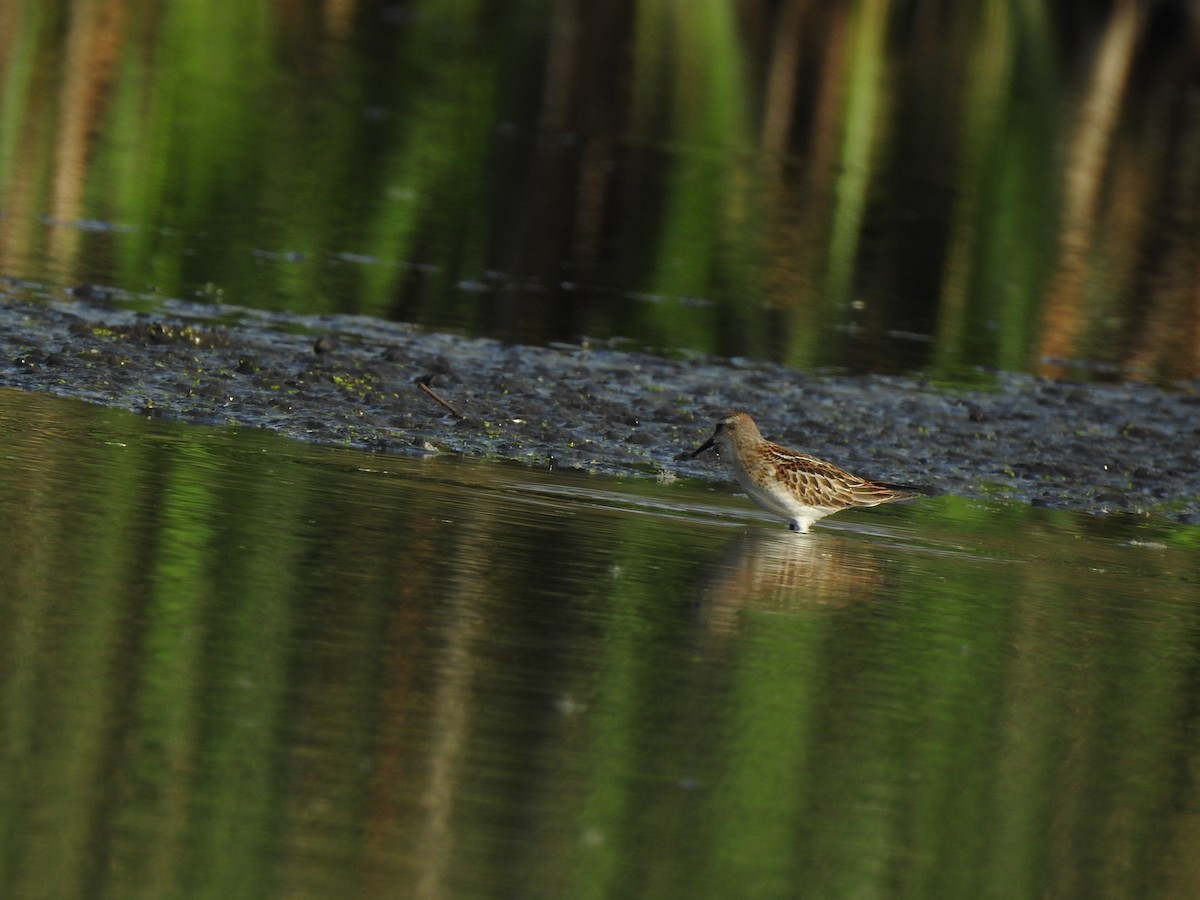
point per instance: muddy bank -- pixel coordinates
(354, 380)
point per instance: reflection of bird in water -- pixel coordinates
(771, 571)
(793, 485)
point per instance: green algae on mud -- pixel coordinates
(356, 381)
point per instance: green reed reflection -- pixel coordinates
(872, 185)
(239, 666)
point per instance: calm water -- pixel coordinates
(869, 186)
(237, 666)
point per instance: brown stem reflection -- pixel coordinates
(451, 729)
(779, 103)
(800, 201)
(1087, 160)
(1163, 317)
(92, 46)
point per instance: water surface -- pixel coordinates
(237, 665)
(874, 186)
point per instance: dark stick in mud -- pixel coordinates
(423, 384)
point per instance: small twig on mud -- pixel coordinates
(423, 384)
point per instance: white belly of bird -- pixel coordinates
(777, 499)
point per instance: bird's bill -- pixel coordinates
(710, 442)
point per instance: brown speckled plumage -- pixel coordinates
(794, 485)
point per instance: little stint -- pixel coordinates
(798, 487)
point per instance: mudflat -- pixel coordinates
(394, 388)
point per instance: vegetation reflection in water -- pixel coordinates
(869, 185)
(233, 665)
